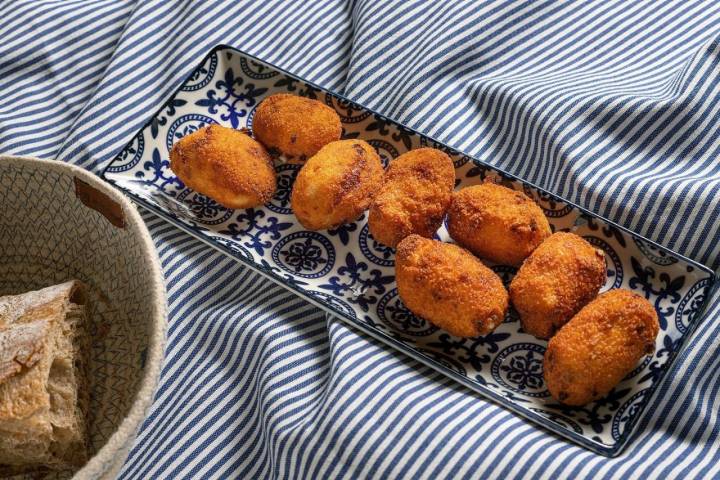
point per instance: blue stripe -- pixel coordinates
(523, 84)
(229, 345)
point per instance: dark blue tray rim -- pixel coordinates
(597, 447)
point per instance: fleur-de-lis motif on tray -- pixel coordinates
(231, 99)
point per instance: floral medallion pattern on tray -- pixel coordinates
(352, 276)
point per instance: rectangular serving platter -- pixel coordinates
(347, 273)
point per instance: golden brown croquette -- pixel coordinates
(595, 350)
(447, 286)
(296, 126)
(414, 197)
(562, 275)
(226, 165)
(337, 184)
(497, 223)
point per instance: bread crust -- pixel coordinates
(43, 403)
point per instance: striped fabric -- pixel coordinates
(613, 104)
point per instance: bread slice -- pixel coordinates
(44, 394)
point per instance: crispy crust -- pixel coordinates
(296, 126)
(43, 405)
(337, 184)
(602, 344)
(226, 165)
(497, 223)
(414, 197)
(562, 275)
(449, 287)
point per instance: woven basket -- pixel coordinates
(59, 222)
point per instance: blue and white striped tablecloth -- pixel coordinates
(611, 103)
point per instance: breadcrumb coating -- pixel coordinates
(414, 197)
(595, 350)
(562, 275)
(337, 184)
(296, 126)
(497, 223)
(226, 165)
(447, 286)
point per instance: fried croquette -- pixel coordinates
(449, 287)
(337, 184)
(595, 350)
(497, 223)
(226, 165)
(562, 275)
(414, 197)
(296, 126)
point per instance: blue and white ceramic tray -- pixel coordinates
(351, 276)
